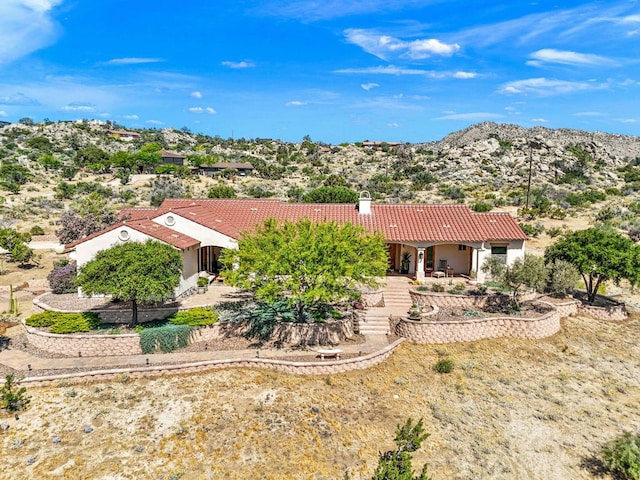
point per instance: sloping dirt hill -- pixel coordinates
(512, 409)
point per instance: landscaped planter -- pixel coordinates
(470, 329)
(329, 333)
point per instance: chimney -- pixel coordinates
(364, 203)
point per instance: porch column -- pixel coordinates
(420, 264)
(476, 263)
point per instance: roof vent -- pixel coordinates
(364, 203)
(254, 209)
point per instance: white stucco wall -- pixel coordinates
(86, 251)
(206, 236)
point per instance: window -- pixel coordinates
(428, 258)
(462, 247)
(499, 251)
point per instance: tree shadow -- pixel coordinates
(597, 468)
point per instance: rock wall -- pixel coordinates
(297, 368)
(84, 345)
(468, 330)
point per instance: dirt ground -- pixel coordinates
(511, 409)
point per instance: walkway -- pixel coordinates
(397, 302)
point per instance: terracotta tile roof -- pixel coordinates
(410, 223)
(150, 228)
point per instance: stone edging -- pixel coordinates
(296, 368)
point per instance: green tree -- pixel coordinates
(221, 191)
(49, 162)
(600, 254)
(396, 464)
(12, 397)
(93, 158)
(16, 244)
(305, 264)
(330, 195)
(530, 272)
(149, 155)
(133, 271)
(13, 176)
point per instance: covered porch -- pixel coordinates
(443, 260)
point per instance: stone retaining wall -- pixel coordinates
(373, 298)
(84, 345)
(614, 312)
(447, 299)
(119, 316)
(468, 330)
(297, 368)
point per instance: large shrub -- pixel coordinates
(62, 277)
(62, 322)
(166, 338)
(622, 456)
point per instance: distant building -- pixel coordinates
(171, 158)
(374, 145)
(242, 168)
(124, 135)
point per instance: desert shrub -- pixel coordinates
(62, 277)
(42, 319)
(622, 456)
(162, 188)
(532, 230)
(564, 276)
(634, 207)
(12, 397)
(221, 191)
(194, 317)
(422, 288)
(481, 206)
(36, 230)
(457, 289)
(436, 287)
(554, 231)
(444, 365)
(166, 338)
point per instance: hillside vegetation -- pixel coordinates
(45, 166)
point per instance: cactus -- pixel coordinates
(13, 302)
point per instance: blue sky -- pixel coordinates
(337, 70)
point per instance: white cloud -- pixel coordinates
(589, 114)
(386, 70)
(626, 120)
(3, 113)
(238, 65)
(131, 117)
(540, 120)
(566, 57)
(196, 94)
(295, 103)
(393, 125)
(471, 116)
(546, 87)
(79, 107)
(134, 60)
(26, 26)
(209, 110)
(313, 10)
(385, 46)
(154, 122)
(465, 75)
(369, 86)
(18, 99)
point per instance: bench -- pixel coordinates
(329, 353)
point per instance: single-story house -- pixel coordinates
(124, 135)
(171, 158)
(450, 239)
(243, 168)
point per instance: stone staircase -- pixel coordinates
(397, 302)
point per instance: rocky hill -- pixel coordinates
(486, 163)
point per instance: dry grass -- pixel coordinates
(510, 409)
